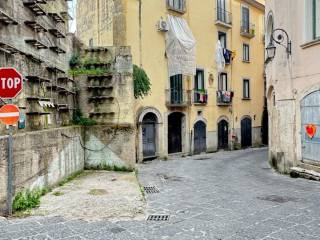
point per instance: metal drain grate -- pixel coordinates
(158, 218)
(202, 159)
(151, 190)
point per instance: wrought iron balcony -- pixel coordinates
(223, 18)
(200, 97)
(224, 98)
(177, 98)
(247, 30)
(35, 6)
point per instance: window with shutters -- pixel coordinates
(177, 5)
(312, 20)
(246, 53)
(246, 89)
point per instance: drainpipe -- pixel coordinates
(140, 33)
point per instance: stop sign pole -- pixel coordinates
(11, 84)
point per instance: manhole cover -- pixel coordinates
(158, 218)
(151, 190)
(277, 199)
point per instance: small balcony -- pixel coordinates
(35, 6)
(200, 97)
(223, 18)
(177, 98)
(224, 98)
(248, 30)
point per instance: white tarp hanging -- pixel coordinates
(221, 63)
(180, 47)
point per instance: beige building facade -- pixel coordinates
(293, 84)
(215, 109)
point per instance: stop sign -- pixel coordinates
(11, 83)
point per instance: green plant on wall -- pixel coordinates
(75, 60)
(142, 85)
(78, 119)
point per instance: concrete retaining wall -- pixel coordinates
(44, 158)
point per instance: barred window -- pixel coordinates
(178, 5)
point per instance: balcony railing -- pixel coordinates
(200, 97)
(224, 98)
(247, 30)
(223, 18)
(177, 98)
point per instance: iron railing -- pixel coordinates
(223, 16)
(248, 29)
(177, 98)
(224, 98)
(200, 96)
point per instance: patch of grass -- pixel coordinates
(97, 192)
(57, 193)
(70, 178)
(109, 167)
(85, 71)
(28, 199)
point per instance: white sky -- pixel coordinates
(72, 12)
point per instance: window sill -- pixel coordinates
(245, 61)
(246, 99)
(176, 10)
(310, 44)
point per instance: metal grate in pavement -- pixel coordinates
(158, 218)
(151, 190)
(202, 159)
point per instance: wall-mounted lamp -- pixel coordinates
(278, 36)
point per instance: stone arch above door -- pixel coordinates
(146, 110)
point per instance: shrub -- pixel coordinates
(28, 199)
(78, 119)
(142, 85)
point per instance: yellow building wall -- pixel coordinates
(149, 52)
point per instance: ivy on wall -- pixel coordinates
(142, 85)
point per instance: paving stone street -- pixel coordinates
(226, 195)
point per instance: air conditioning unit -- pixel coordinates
(163, 26)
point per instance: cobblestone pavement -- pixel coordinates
(227, 195)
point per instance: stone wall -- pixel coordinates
(41, 158)
(110, 145)
(44, 158)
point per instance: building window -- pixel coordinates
(246, 88)
(246, 53)
(223, 82)
(316, 19)
(222, 36)
(312, 16)
(245, 22)
(199, 80)
(176, 5)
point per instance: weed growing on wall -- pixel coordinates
(110, 167)
(70, 178)
(142, 85)
(78, 119)
(28, 199)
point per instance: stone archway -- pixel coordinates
(200, 137)
(223, 133)
(149, 134)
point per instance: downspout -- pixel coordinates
(189, 87)
(231, 85)
(98, 10)
(140, 33)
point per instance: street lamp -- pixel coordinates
(279, 36)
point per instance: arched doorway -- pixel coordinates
(149, 133)
(200, 137)
(246, 132)
(223, 134)
(175, 132)
(310, 127)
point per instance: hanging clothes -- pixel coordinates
(221, 63)
(180, 47)
(227, 55)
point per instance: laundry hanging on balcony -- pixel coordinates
(180, 47)
(220, 59)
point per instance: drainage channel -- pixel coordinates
(151, 190)
(158, 218)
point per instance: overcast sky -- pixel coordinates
(72, 12)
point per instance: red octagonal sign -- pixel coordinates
(11, 83)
